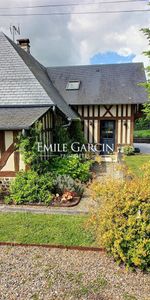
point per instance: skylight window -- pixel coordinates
(73, 85)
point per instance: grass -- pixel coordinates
(92, 287)
(135, 162)
(142, 133)
(44, 229)
(127, 296)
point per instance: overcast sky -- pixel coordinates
(81, 39)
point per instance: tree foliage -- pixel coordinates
(146, 109)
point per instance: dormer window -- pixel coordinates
(73, 85)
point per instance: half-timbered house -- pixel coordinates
(26, 96)
(105, 97)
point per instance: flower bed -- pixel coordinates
(29, 188)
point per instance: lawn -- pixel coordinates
(135, 162)
(44, 229)
(142, 133)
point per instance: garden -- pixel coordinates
(56, 181)
(120, 222)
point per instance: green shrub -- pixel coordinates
(69, 135)
(61, 135)
(29, 187)
(71, 165)
(27, 145)
(121, 222)
(142, 123)
(142, 133)
(76, 132)
(128, 150)
(65, 183)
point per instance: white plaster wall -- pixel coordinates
(123, 133)
(8, 139)
(113, 110)
(124, 110)
(90, 133)
(96, 111)
(80, 110)
(86, 129)
(119, 131)
(90, 111)
(119, 110)
(9, 164)
(96, 131)
(102, 111)
(129, 110)
(85, 111)
(128, 131)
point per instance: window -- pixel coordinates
(73, 85)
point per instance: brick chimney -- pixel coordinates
(24, 44)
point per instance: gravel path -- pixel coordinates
(56, 274)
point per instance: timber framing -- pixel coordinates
(122, 114)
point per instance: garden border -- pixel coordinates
(79, 248)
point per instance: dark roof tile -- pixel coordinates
(101, 84)
(20, 118)
(24, 81)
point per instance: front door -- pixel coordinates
(107, 136)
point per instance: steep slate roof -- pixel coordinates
(20, 118)
(25, 82)
(101, 84)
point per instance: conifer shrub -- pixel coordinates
(122, 220)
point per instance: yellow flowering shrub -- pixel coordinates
(122, 219)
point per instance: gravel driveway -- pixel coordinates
(56, 274)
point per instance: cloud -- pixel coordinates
(118, 33)
(74, 39)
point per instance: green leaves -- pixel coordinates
(28, 187)
(64, 183)
(27, 145)
(122, 220)
(71, 165)
(146, 109)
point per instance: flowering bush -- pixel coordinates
(128, 150)
(68, 196)
(122, 220)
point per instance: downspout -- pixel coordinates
(24, 131)
(68, 124)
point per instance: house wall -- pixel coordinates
(92, 115)
(11, 160)
(46, 136)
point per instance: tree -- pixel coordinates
(146, 109)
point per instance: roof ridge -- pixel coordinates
(95, 65)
